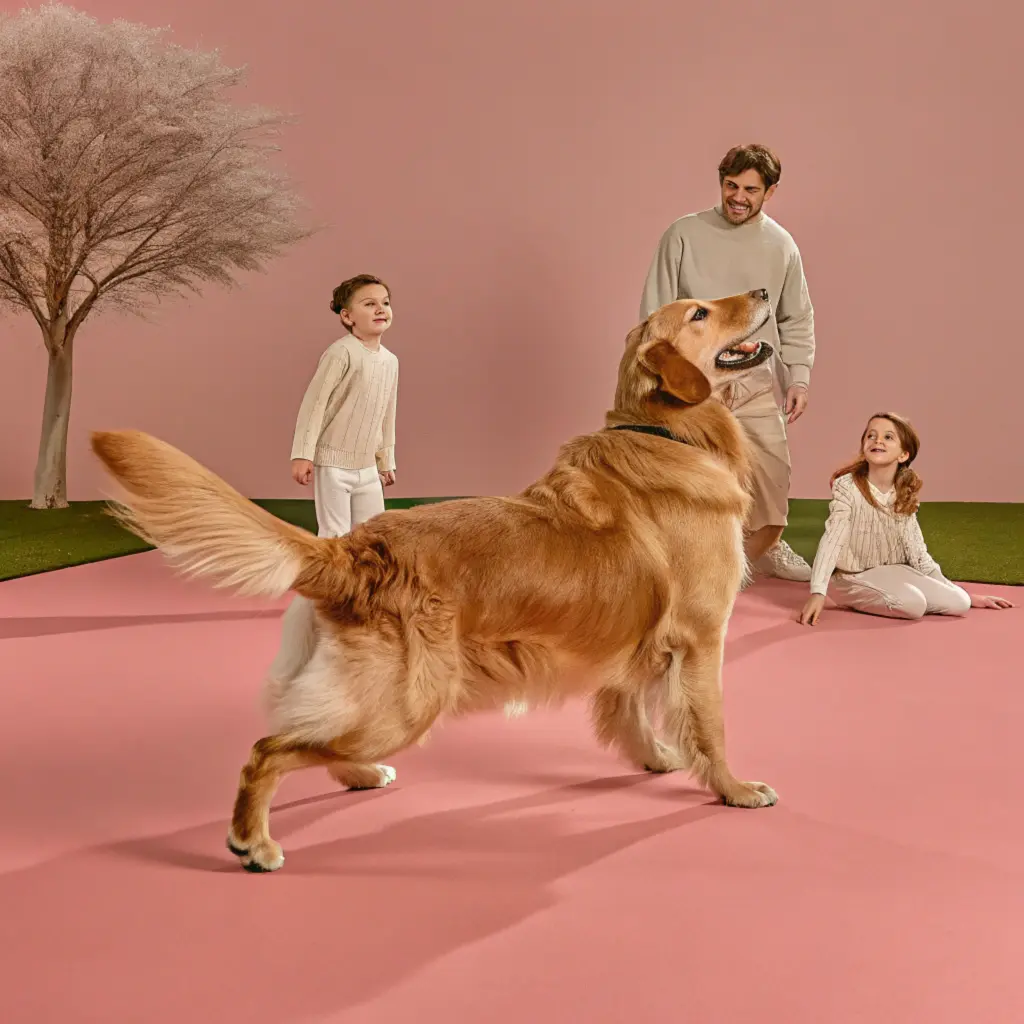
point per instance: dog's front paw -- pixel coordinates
(752, 794)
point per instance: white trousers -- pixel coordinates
(898, 592)
(345, 498)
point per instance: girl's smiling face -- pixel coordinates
(881, 445)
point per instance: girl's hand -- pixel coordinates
(387, 478)
(302, 471)
(981, 601)
(809, 613)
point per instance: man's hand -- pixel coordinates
(812, 610)
(982, 601)
(796, 402)
(302, 471)
(387, 477)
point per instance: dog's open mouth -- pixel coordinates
(743, 355)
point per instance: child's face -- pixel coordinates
(368, 313)
(882, 446)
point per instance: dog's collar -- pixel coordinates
(646, 428)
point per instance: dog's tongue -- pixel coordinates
(746, 346)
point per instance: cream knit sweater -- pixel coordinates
(859, 536)
(347, 416)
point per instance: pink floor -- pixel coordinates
(514, 872)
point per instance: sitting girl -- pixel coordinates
(873, 541)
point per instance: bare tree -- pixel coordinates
(126, 174)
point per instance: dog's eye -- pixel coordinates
(700, 313)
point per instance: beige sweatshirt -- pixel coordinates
(347, 416)
(859, 536)
(703, 256)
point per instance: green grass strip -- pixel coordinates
(973, 541)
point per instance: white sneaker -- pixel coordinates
(783, 563)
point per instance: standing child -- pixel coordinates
(345, 434)
(873, 541)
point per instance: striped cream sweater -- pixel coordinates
(859, 536)
(347, 416)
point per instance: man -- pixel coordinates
(734, 248)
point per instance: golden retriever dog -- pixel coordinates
(613, 577)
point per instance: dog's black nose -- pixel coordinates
(760, 293)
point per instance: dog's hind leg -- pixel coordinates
(395, 732)
(349, 759)
(620, 720)
(693, 715)
(362, 776)
(270, 760)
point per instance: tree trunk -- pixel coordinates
(51, 480)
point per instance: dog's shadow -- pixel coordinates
(345, 919)
(22, 627)
(472, 837)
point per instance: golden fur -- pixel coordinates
(612, 577)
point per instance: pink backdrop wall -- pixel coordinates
(508, 167)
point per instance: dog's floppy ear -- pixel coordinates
(678, 376)
(634, 335)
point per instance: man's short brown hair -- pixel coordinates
(751, 158)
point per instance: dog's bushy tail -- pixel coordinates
(204, 527)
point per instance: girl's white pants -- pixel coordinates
(898, 592)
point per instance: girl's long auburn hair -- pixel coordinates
(908, 483)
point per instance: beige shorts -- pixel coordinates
(754, 404)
